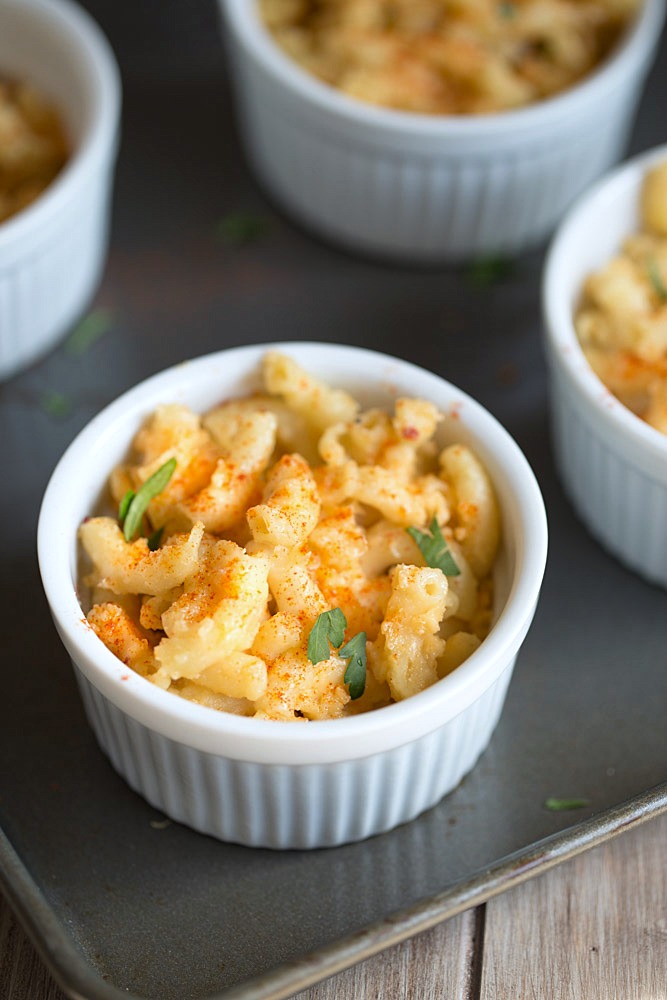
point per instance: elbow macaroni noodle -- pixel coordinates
(448, 56)
(33, 145)
(621, 321)
(259, 540)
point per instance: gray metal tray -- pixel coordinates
(120, 902)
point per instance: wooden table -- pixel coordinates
(594, 927)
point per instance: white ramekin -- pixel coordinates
(52, 253)
(612, 464)
(273, 784)
(422, 187)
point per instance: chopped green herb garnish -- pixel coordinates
(562, 805)
(435, 549)
(355, 675)
(124, 505)
(160, 824)
(656, 279)
(146, 492)
(507, 10)
(90, 329)
(238, 229)
(329, 627)
(489, 271)
(56, 404)
(155, 539)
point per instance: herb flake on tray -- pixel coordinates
(564, 805)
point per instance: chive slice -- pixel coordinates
(434, 548)
(146, 492)
(56, 404)
(656, 279)
(487, 271)
(155, 539)
(88, 332)
(124, 505)
(562, 805)
(239, 229)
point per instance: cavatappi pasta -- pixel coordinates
(33, 145)
(448, 56)
(282, 507)
(621, 320)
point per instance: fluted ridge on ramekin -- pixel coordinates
(304, 806)
(435, 202)
(45, 290)
(624, 507)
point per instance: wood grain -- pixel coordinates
(435, 965)
(597, 927)
(593, 927)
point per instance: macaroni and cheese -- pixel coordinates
(299, 557)
(448, 56)
(621, 321)
(33, 145)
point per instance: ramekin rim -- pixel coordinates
(54, 551)
(102, 133)
(641, 34)
(563, 343)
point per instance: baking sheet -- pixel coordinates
(122, 902)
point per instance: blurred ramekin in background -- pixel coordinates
(52, 252)
(612, 464)
(280, 784)
(421, 187)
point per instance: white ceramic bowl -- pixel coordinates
(422, 187)
(612, 464)
(266, 783)
(52, 253)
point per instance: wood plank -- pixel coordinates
(440, 963)
(595, 927)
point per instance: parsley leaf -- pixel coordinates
(355, 675)
(656, 279)
(136, 508)
(329, 627)
(562, 805)
(435, 549)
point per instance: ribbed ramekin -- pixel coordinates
(611, 463)
(421, 187)
(52, 252)
(274, 784)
